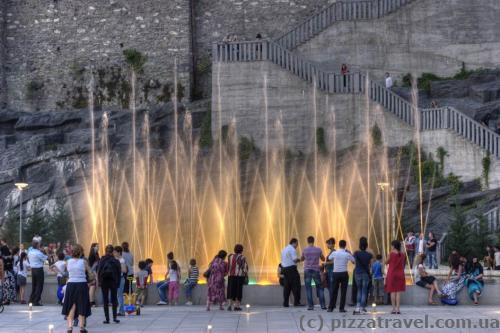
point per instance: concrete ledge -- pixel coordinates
(273, 294)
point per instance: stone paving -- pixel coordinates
(259, 319)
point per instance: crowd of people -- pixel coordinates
(79, 276)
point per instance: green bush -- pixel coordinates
(320, 140)
(486, 162)
(407, 80)
(246, 147)
(135, 59)
(376, 135)
(206, 131)
(441, 154)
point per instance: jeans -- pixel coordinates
(163, 290)
(189, 290)
(330, 284)
(411, 257)
(362, 280)
(309, 275)
(119, 295)
(292, 285)
(432, 260)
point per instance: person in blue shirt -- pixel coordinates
(36, 259)
(378, 280)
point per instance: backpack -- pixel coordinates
(107, 271)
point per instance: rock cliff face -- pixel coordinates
(51, 150)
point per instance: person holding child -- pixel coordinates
(191, 281)
(117, 253)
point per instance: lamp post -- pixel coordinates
(21, 186)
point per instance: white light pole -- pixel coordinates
(21, 186)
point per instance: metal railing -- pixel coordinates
(492, 218)
(265, 50)
(463, 125)
(338, 11)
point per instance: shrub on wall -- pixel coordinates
(486, 169)
(376, 135)
(246, 147)
(135, 59)
(320, 140)
(441, 154)
(206, 131)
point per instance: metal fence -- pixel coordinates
(338, 11)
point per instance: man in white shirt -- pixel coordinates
(340, 259)
(388, 81)
(36, 259)
(289, 260)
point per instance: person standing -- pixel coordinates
(108, 274)
(330, 244)
(344, 71)
(410, 241)
(395, 282)
(421, 243)
(9, 281)
(192, 281)
(362, 274)
(76, 296)
(289, 262)
(311, 256)
(496, 254)
(36, 259)
(237, 274)
(216, 288)
(22, 267)
(431, 251)
(118, 256)
(129, 261)
(340, 259)
(93, 262)
(388, 81)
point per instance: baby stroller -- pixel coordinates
(130, 299)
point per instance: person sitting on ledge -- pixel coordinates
(424, 280)
(474, 281)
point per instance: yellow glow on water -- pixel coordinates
(195, 203)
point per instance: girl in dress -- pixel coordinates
(216, 285)
(395, 282)
(474, 281)
(455, 281)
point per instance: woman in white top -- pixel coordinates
(76, 296)
(21, 269)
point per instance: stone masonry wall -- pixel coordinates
(3, 25)
(424, 36)
(51, 43)
(246, 18)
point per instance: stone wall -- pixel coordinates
(51, 43)
(271, 105)
(3, 25)
(216, 19)
(261, 98)
(425, 36)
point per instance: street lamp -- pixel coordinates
(21, 186)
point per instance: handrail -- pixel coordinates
(265, 50)
(338, 11)
(492, 219)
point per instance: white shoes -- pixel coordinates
(161, 303)
(189, 303)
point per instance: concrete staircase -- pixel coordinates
(280, 52)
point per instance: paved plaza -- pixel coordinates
(259, 319)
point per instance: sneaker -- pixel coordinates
(189, 303)
(162, 303)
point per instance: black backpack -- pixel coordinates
(107, 271)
